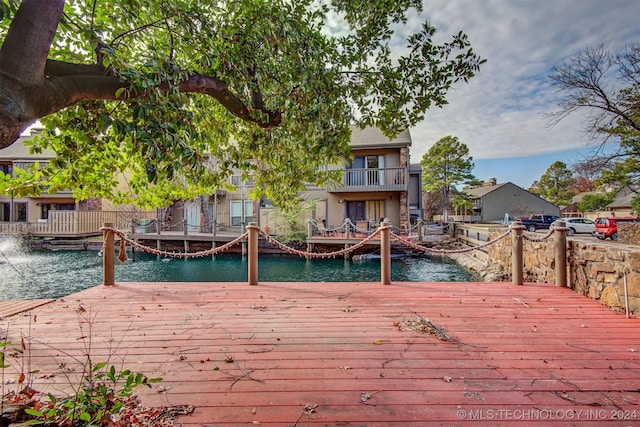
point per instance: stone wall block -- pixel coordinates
(616, 255)
(595, 254)
(633, 284)
(634, 261)
(611, 297)
(608, 277)
(607, 267)
(595, 291)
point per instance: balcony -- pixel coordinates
(371, 180)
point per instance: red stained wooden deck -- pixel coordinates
(532, 354)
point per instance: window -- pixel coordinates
(241, 210)
(6, 168)
(4, 212)
(372, 210)
(19, 212)
(236, 213)
(372, 172)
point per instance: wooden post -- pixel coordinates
(385, 253)
(517, 263)
(108, 256)
(560, 249)
(252, 263)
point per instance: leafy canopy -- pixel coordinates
(446, 164)
(150, 102)
(556, 184)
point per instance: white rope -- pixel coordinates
(322, 255)
(208, 252)
(447, 251)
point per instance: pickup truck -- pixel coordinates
(538, 221)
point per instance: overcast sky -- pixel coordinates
(499, 113)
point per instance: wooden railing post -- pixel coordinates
(517, 262)
(560, 249)
(385, 252)
(253, 228)
(108, 256)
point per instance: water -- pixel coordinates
(28, 274)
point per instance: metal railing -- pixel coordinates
(374, 179)
(74, 223)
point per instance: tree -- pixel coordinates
(174, 97)
(461, 203)
(444, 165)
(556, 183)
(606, 85)
(595, 202)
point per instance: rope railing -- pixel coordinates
(323, 255)
(384, 233)
(426, 249)
(209, 252)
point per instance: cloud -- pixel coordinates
(500, 113)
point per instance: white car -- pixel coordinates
(579, 225)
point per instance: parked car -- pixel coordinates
(579, 225)
(608, 227)
(538, 221)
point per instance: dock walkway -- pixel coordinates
(351, 354)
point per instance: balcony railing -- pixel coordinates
(363, 180)
(73, 223)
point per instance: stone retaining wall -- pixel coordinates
(596, 269)
(629, 233)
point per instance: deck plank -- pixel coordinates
(11, 308)
(258, 354)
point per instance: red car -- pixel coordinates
(607, 227)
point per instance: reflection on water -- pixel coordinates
(26, 274)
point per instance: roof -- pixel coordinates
(373, 137)
(18, 151)
(483, 191)
(622, 201)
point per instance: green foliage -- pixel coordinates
(556, 184)
(102, 393)
(189, 93)
(446, 164)
(295, 222)
(595, 202)
(635, 204)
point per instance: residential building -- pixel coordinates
(493, 202)
(375, 184)
(378, 183)
(29, 209)
(621, 205)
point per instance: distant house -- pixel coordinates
(621, 205)
(36, 208)
(492, 202)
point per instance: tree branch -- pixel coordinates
(60, 69)
(90, 83)
(24, 51)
